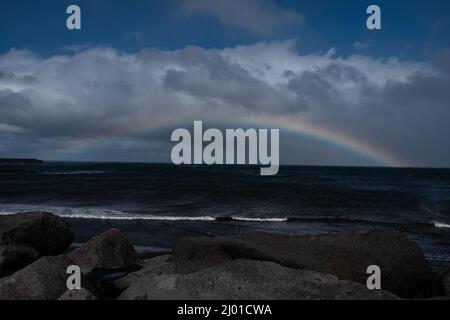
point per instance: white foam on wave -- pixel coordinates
(134, 217)
(109, 214)
(5, 213)
(97, 213)
(237, 218)
(442, 225)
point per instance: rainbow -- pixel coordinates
(333, 137)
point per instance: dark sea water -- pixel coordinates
(155, 204)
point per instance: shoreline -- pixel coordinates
(164, 234)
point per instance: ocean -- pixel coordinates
(156, 204)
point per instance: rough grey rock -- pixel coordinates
(346, 255)
(81, 294)
(44, 279)
(444, 282)
(157, 265)
(439, 298)
(13, 258)
(249, 279)
(42, 231)
(109, 250)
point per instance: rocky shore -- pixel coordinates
(36, 250)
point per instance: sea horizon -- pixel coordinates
(249, 165)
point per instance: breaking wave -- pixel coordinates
(108, 214)
(111, 214)
(441, 225)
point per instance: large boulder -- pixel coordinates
(347, 255)
(158, 265)
(444, 282)
(110, 250)
(13, 258)
(249, 279)
(44, 279)
(42, 231)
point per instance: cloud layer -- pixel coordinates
(102, 104)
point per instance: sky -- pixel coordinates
(114, 91)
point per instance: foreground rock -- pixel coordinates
(13, 258)
(42, 231)
(82, 294)
(247, 279)
(109, 250)
(157, 265)
(44, 279)
(346, 255)
(444, 282)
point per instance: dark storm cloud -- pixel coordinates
(319, 87)
(417, 114)
(230, 84)
(104, 103)
(408, 117)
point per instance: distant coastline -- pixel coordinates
(19, 160)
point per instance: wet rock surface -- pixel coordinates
(249, 279)
(44, 279)
(109, 250)
(42, 231)
(346, 255)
